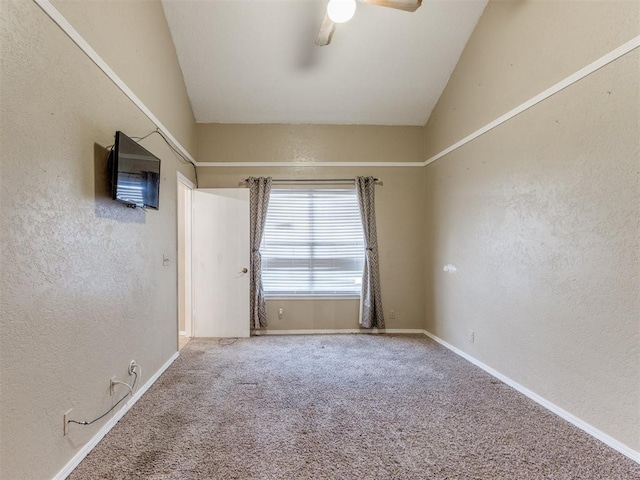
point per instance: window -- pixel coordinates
(312, 243)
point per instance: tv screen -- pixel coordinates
(135, 178)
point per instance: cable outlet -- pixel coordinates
(472, 336)
(392, 314)
(65, 422)
(132, 366)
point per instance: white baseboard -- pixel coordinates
(582, 425)
(591, 430)
(338, 331)
(84, 451)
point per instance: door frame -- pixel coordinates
(185, 282)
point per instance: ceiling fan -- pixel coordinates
(340, 11)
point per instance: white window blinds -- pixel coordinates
(312, 244)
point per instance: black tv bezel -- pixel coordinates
(115, 160)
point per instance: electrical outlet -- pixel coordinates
(392, 314)
(132, 366)
(111, 385)
(280, 312)
(65, 422)
(472, 336)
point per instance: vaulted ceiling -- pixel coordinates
(255, 61)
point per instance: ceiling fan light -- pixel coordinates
(341, 11)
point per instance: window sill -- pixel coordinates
(316, 297)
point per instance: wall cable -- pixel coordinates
(130, 392)
(183, 159)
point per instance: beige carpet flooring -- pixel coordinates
(341, 407)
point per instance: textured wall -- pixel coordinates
(83, 286)
(134, 39)
(398, 204)
(519, 49)
(308, 143)
(540, 217)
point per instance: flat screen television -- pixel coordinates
(135, 174)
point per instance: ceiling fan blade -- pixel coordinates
(406, 5)
(326, 32)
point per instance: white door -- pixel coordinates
(221, 262)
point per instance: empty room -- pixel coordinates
(313, 239)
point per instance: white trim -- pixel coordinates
(188, 213)
(571, 79)
(276, 298)
(84, 451)
(338, 331)
(309, 164)
(183, 179)
(581, 424)
(589, 429)
(73, 34)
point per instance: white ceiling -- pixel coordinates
(254, 61)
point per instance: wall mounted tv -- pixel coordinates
(135, 174)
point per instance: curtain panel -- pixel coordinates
(259, 189)
(371, 314)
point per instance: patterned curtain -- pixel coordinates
(259, 189)
(371, 315)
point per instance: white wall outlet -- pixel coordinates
(65, 422)
(392, 314)
(132, 366)
(280, 312)
(472, 336)
(111, 385)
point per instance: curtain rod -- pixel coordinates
(316, 180)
